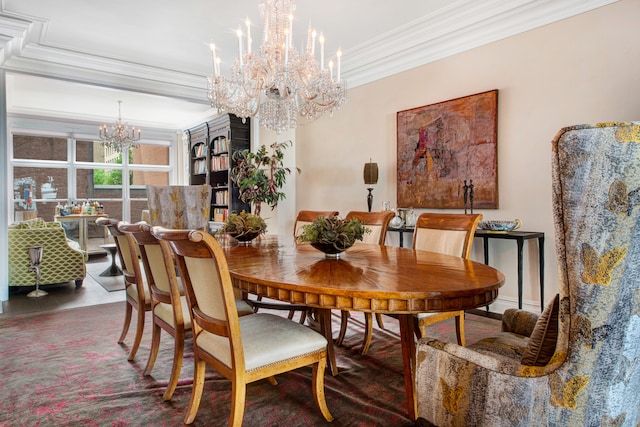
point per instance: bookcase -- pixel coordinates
(211, 148)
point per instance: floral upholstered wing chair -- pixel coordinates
(591, 375)
(179, 206)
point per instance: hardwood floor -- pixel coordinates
(62, 297)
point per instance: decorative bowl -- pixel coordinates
(245, 237)
(329, 249)
(500, 226)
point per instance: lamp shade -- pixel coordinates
(370, 173)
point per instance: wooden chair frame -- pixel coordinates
(186, 245)
(381, 219)
(448, 222)
(156, 264)
(133, 280)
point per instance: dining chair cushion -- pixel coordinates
(133, 293)
(165, 312)
(542, 344)
(156, 265)
(266, 339)
(299, 227)
(442, 241)
(243, 307)
(373, 236)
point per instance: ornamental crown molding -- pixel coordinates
(460, 26)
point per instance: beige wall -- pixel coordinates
(581, 70)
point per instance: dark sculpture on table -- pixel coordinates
(468, 195)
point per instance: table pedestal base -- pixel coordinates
(113, 270)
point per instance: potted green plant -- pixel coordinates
(333, 235)
(260, 175)
(244, 226)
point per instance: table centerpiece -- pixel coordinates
(244, 226)
(332, 236)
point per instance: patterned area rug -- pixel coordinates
(65, 369)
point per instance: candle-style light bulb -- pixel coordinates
(339, 55)
(287, 40)
(239, 34)
(321, 39)
(213, 56)
(290, 27)
(314, 33)
(248, 24)
(331, 70)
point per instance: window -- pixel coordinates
(55, 169)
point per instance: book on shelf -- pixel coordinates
(200, 167)
(222, 197)
(220, 145)
(220, 214)
(220, 162)
(199, 150)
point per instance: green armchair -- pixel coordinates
(586, 372)
(62, 259)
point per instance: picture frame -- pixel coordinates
(448, 154)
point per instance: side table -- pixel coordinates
(402, 230)
(519, 237)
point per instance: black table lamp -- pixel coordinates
(370, 178)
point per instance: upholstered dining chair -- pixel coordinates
(577, 363)
(306, 217)
(168, 304)
(243, 349)
(136, 289)
(303, 218)
(377, 223)
(450, 234)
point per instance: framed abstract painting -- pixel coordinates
(448, 154)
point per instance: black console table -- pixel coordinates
(401, 230)
(519, 237)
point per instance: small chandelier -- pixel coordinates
(118, 136)
(277, 83)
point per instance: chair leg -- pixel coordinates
(460, 329)
(127, 321)
(344, 320)
(379, 320)
(178, 354)
(238, 396)
(318, 388)
(155, 345)
(138, 337)
(303, 316)
(368, 331)
(196, 390)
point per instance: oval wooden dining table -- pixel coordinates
(368, 278)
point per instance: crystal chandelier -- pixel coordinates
(118, 136)
(277, 83)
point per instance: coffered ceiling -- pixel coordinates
(160, 47)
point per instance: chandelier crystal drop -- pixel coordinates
(118, 136)
(276, 84)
